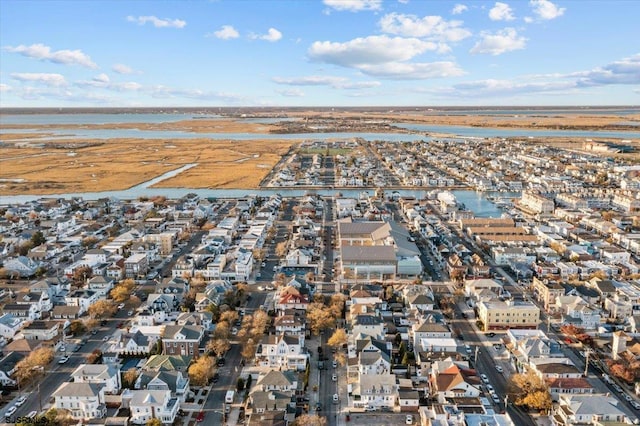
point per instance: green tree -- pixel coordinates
(338, 338)
(122, 291)
(38, 239)
(103, 308)
(81, 275)
(240, 384)
(77, 327)
(129, 378)
(202, 370)
(528, 390)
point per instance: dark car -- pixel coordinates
(215, 378)
(221, 362)
(103, 322)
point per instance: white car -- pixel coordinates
(63, 360)
(409, 419)
(499, 369)
(484, 378)
(334, 378)
(335, 398)
(121, 306)
(105, 338)
(11, 410)
(21, 400)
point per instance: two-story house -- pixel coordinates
(182, 340)
(106, 375)
(83, 401)
(173, 380)
(145, 405)
(82, 298)
(282, 351)
(101, 285)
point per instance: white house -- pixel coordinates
(145, 405)
(101, 285)
(100, 374)
(82, 400)
(10, 325)
(82, 298)
(282, 351)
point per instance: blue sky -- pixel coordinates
(318, 53)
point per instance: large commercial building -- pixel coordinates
(503, 315)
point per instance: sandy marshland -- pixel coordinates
(45, 166)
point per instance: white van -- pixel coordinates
(229, 397)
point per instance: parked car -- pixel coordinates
(63, 360)
(200, 417)
(484, 378)
(11, 410)
(21, 400)
(409, 419)
(121, 306)
(334, 378)
(335, 398)
(499, 369)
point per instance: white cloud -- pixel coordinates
(505, 40)
(4, 87)
(528, 19)
(227, 32)
(291, 93)
(492, 88)
(158, 22)
(413, 71)
(321, 80)
(625, 71)
(48, 79)
(546, 10)
(368, 50)
(433, 27)
(501, 12)
(102, 81)
(122, 69)
(458, 9)
(403, 1)
(163, 92)
(354, 5)
(383, 56)
(272, 35)
(101, 78)
(44, 53)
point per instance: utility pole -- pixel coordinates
(587, 352)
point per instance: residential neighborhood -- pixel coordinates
(364, 307)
